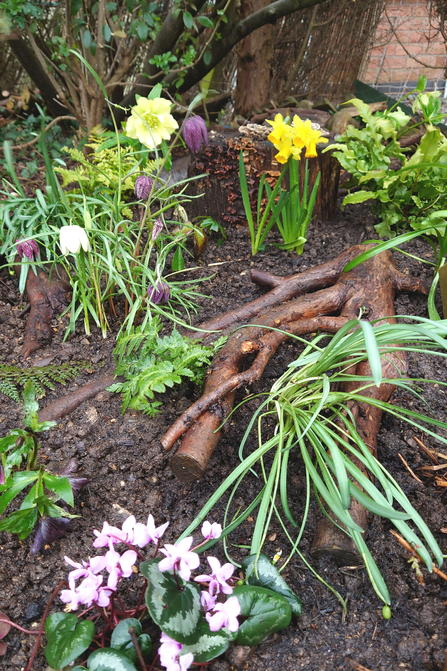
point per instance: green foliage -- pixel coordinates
(67, 638)
(151, 364)
(266, 216)
(22, 444)
(176, 610)
(22, 131)
(103, 169)
(260, 572)
(264, 612)
(314, 416)
(405, 197)
(12, 377)
(121, 639)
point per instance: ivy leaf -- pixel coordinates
(107, 659)
(60, 486)
(67, 638)
(262, 573)
(177, 613)
(207, 57)
(122, 641)
(265, 612)
(210, 644)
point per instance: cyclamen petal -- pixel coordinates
(208, 602)
(211, 531)
(225, 615)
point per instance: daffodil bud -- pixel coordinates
(143, 186)
(194, 133)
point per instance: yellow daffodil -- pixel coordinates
(151, 122)
(280, 128)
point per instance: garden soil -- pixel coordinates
(129, 473)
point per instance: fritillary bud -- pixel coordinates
(194, 133)
(157, 228)
(27, 248)
(159, 294)
(143, 186)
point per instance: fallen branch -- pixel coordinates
(63, 406)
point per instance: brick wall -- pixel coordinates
(405, 47)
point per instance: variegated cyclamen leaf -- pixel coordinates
(264, 611)
(210, 644)
(260, 572)
(106, 659)
(176, 612)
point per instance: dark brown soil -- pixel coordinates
(129, 473)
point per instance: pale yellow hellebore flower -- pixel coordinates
(151, 122)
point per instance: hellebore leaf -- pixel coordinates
(67, 638)
(262, 573)
(176, 612)
(122, 641)
(265, 612)
(60, 486)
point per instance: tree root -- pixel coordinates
(367, 291)
(47, 296)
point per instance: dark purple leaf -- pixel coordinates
(4, 628)
(69, 468)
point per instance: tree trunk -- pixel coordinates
(254, 64)
(222, 198)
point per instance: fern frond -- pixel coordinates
(12, 377)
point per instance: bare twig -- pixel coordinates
(409, 469)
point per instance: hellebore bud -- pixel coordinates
(49, 529)
(143, 186)
(157, 228)
(194, 133)
(27, 248)
(159, 293)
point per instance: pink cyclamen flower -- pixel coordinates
(194, 133)
(27, 248)
(84, 570)
(217, 580)
(180, 558)
(119, 566)
(208, 602)
(87, 592)
(2, 475)
(149, 533)
(170, 657)
(224, 615)
(107, 534)
(211, 531)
